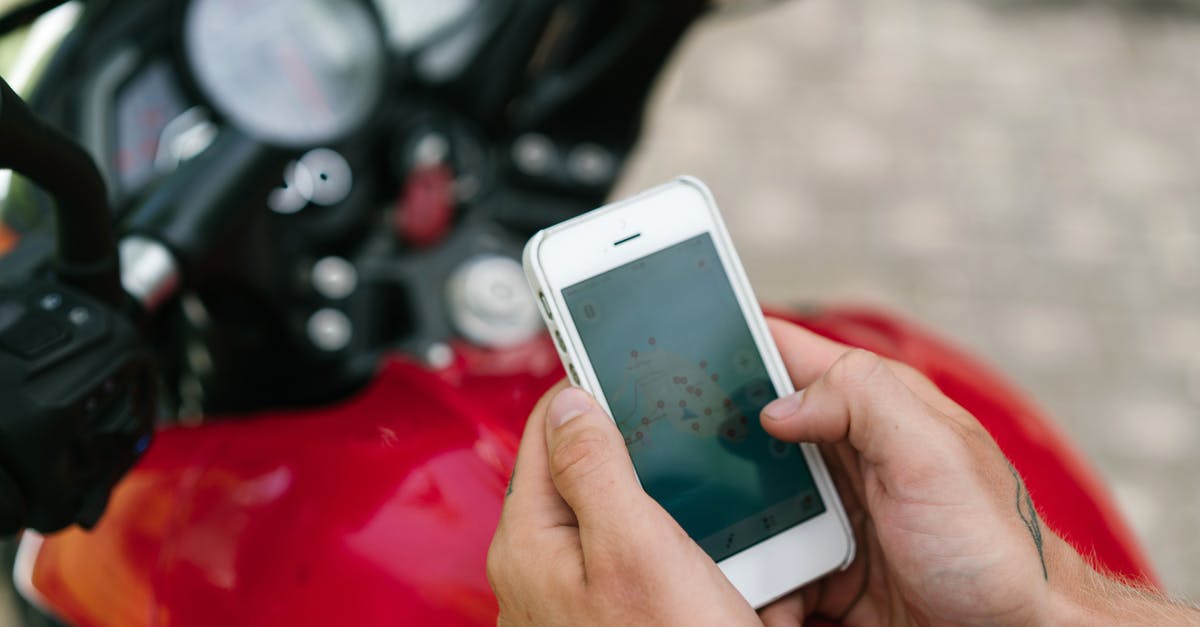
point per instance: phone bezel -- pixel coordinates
(599, 241)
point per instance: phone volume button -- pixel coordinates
(562, 347)
(545, 306)
(572, 374)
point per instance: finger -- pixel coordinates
(846, 590)
(531, 493)
(806, 355)
(790, 610)
(844, 469)
(925, 389)
(536, 526)
(590, 466)
(860, 400)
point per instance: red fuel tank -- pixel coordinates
(379, 510)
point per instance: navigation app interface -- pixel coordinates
(685, 383)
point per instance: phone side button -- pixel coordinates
(545, 306)
(562, 347)
(572, 374)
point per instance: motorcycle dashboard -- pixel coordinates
(287, 72)
(387, 92)
(145, 106)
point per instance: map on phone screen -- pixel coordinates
(685, 384)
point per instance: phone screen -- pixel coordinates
(685, 384)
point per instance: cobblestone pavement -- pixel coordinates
(1023, 177)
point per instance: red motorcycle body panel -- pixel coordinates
(379, 510)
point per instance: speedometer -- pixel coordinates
(291, 72)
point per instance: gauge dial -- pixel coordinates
(144, 107)
(291, 72)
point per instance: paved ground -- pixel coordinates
(1022, 176)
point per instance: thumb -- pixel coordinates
(589, 463)
(860, 400)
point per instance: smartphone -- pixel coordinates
(652, 314)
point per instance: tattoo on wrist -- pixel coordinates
(1029, 516)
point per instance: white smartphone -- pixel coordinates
(653, 315)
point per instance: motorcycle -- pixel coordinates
(314, 210)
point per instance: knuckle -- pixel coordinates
(579, 453)
(855, 368)
(909, 375)
(968, 431)
(953, 444)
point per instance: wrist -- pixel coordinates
(1073, 587)
(1076, 594)
(1079, 595)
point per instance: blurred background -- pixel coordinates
(1021, 176)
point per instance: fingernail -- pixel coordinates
(781, 408)
(569, 403)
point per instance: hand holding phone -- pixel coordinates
(949, 532)
(581, 543)
(653, 315)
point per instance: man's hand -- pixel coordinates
(580, 542)
(947, 533)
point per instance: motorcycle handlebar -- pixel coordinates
(86, 253)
